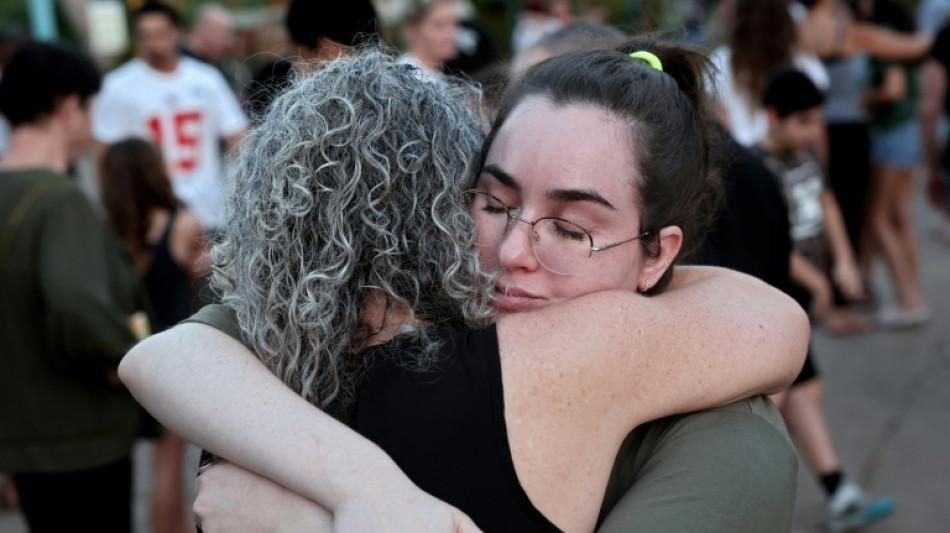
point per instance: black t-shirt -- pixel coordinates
(751, 233)
(940, 51)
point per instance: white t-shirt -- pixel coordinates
(186, 113)
(748, 121)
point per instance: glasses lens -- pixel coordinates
(490, 216)
(560, 246)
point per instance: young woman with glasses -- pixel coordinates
(350, 265)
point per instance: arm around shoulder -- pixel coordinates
(714, 337)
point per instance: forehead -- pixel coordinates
(571, 146)
(153, 22)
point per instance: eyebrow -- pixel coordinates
(560, 195)
(505, 178)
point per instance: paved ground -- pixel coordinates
(888, 404)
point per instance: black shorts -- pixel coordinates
(809, 370)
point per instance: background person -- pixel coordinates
(933, 102)
(430, 29)
(168, 248)
(66, 315)
(182, 105)
(530, 188)
(793, 104)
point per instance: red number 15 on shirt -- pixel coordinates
(186, 127)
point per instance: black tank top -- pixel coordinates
(168, 285)
(446, 428)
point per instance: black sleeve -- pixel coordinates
(941, 47)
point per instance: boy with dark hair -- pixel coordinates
(793, 105)
(69, 304)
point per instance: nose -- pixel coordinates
(516, 249)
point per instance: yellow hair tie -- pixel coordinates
(649, 58)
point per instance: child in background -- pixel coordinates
(795, 126)
(167, 246)
(793, 105)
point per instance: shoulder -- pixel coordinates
(731, 468)
(196, 69)
(187, 226)
(125, 73)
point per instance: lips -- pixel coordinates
(510, 298)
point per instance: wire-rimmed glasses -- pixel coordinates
(560, 246)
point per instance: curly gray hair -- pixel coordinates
(351, 188)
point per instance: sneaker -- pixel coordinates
(849, 510)
(894, 318)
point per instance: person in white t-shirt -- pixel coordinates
(762, 40)
(181, 104)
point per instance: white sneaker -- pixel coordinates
(848, 510)
(894, 318)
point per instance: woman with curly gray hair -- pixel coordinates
(350, 269)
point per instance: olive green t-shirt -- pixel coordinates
(731, 469)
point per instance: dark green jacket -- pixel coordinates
(67, 290)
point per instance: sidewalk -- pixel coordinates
(887, 397)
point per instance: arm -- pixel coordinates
(189, 247)
(714, 337)
(210, 389)
(81, 269)
(892, 88)
(806, 275)
(845, 272)
(886, 44)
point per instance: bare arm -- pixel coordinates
(845, 269)
(892, 88)
(715, 337)
(886, 44)
(189, 246)
(214, 392)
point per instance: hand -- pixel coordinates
(848, 279)
(406, 509)
(229, 498)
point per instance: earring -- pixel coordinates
(666, 264)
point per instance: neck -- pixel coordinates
(773, 146)
(164, 65)
(36, 146)
(427, 61)
(382, 318)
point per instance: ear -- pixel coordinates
(773, 116)
(68, 107)
(329, 49)
(671, 241)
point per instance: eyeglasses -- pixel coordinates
(559, 245)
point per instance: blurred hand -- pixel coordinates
(231, 499)
(407, 510)
(848, 279)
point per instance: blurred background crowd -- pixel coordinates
(839, 104)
